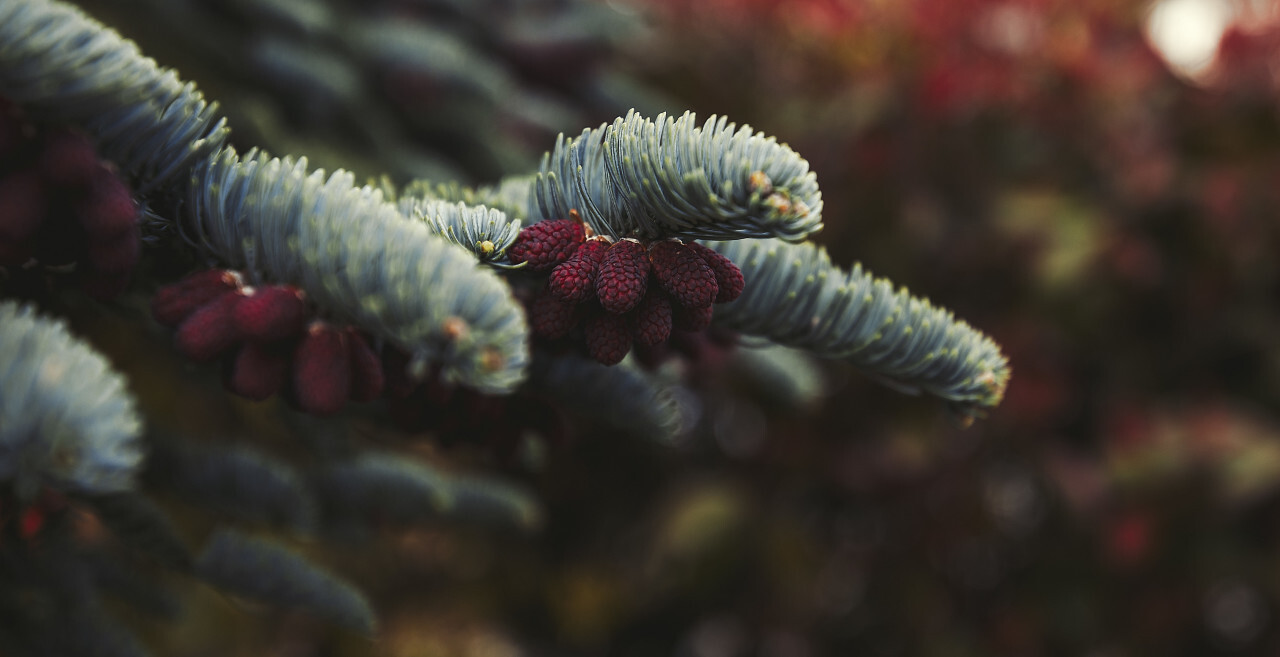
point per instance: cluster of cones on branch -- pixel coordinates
(612, 295)
(271, 342)
(64, 209)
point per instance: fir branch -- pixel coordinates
(795, 296)
(511, 195)
(484, 231)
(387, 489)
(64, 66)
(782, 376)
(66, 418)
(141, 525)
(270, 573)
(620, 397)
(233, 480)
(671, 178)
(359, 259)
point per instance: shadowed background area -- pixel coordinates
(1091, 183)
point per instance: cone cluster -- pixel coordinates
(270, 342)
(612, 295)
(61, 206)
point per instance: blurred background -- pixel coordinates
(1094, 183)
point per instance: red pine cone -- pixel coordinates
(574, 279)
(209, 331)
(116, 254)
(367, 379)
(109, 208)
(683, 274)
(608, 339)
(271, 312)
(67, 159)
(322, 370)
(623, 276)
(728, 276)
(258, 371)
(652, 324)
(550, 317)
(547, 243)
(691, 319)
(22, 208)
(173, 303)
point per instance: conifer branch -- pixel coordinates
(268, 572)
(64, 66)
(387, 489)
(670, 177)
(484, 231)
(66, 418)
(232, 480)
(621, 397)
(141, 525)
(358, 258)
(510, 195)
(795, 296)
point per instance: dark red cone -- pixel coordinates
(367, 379)
(105, 287)
(173, 303)
(728, 277)
(574, 280)
(209, 331)
(22, 207)
(550, 317)
(258, 371)
(108, 209)
(683, 274)
(67, 159)
(547, 243)
(322, 370)
(623, 276)
(116, 254)
(608, 338)
(652, 321)
(271, 312)
(691, 319)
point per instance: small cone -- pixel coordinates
(574, 280)
(623, 276)
(258, 371)
(550, 317)
(608, 338)
(728, 277)
(173, 303)
(322, 370)
(209, 331)
(271, 312)
(547, 243)
(652, 323)
(67, 159)
(109, 208)
(683, 274)
(691, 319)
(22, 207)
(117, 254)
